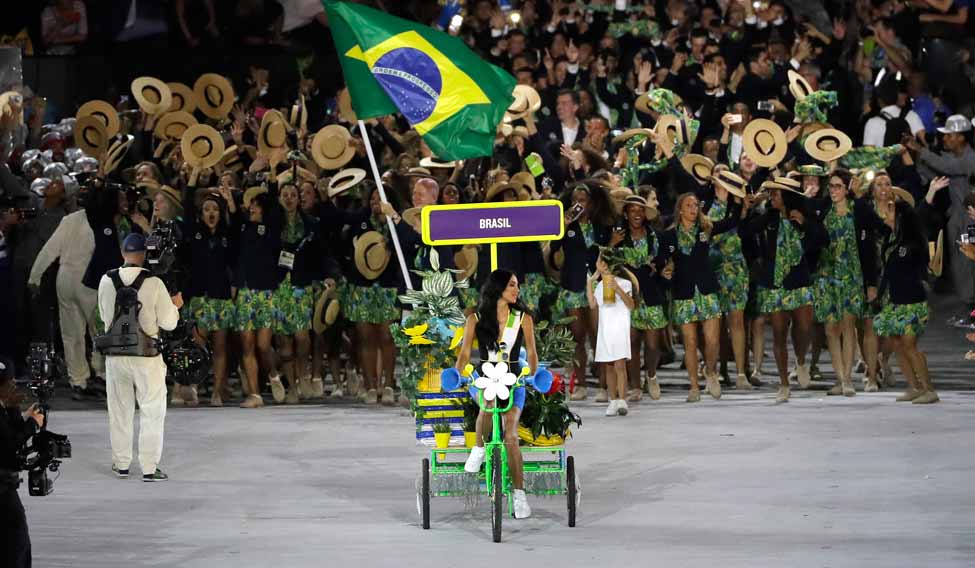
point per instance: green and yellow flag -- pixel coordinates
(453, 98)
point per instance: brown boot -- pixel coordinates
(742, 384)
(837, 389)
(927, 397)
(909, 395)
(847, 387)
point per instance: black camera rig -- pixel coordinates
(43, 452)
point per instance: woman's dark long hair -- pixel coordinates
(487, 329)
(9, 395)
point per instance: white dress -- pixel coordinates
(613, 337)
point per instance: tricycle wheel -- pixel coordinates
(571, 490)
(425, 493)
(497, 494)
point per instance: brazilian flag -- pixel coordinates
(453, 98)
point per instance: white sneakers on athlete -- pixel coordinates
(522, 510)
(475, 460)
(612, 407)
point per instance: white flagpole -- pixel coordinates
(382, 194)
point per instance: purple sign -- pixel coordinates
(492, 223)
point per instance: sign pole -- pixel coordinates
(494, 256)
(382, 194)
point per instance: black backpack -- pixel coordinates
(897, 127)
(125, 336)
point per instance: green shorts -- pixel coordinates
(568, 301)
(254, 309)
(782, 300)
(647, 318)
(371, 304)
(701, 307)
(293, 307)
(212, 314)
(895, 320)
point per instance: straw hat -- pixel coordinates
(116, 152)
(670, 131)
(171, 125)
(525, 182)
(902, 195)
(214, 95)
(371, 254)
(345, 179)
(90, 136)
(230, 161)
(202, 146)
(497, 189)
(273, 135)
(936, 250)
(466, 261)
(172, 195)
(251, 193)
(507, 130)
(104, 112)
(764, 142)
(344, 103)
(698, 166)
(828, 144)
(812, 170)
(183, 97)
(732, 183)
(645, 102)
(645, 132)
(412, 218)
(332, 147)
(526, 101)
(153, 96)
(287, 176)
(327, 310)
(650, 212)
(799, 86)
(433, 162)
(553, 261)
(299, 114)
(418, 172)
(8, 101)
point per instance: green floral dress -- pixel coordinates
(788, 255)
(838, 291)
(644, 317)
(293, 305)
(895, 320)
(535, 287)
(729, 264)
(701, 307)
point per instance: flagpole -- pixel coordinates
(382, 195)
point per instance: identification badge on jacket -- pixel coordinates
(286, 260)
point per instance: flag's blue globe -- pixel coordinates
(411, 79)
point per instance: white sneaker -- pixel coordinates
(475, 460)
(277, 389)
(621, 407)
(612, 408)
(803, 376)
(522, 510)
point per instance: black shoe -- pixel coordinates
(157, 476)
(120, 473)
(77, 393)
(87, 393)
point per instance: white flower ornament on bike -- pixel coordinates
(495, 381)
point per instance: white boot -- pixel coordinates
(522, 510)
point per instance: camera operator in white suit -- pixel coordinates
(147, 374)
(73, 243)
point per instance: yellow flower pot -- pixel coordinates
(526, 434)
(470, 439)
(442, 440)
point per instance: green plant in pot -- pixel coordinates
(441, 434)
(554, 343)
(546, 419)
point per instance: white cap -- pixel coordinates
(956, 123)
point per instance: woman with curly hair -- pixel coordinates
(588, 222)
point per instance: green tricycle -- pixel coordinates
(553, 474)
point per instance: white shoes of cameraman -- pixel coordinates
(475, 460)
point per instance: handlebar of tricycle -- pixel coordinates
(452, 379)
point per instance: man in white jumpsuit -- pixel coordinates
(73, 243)
(146, 374)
